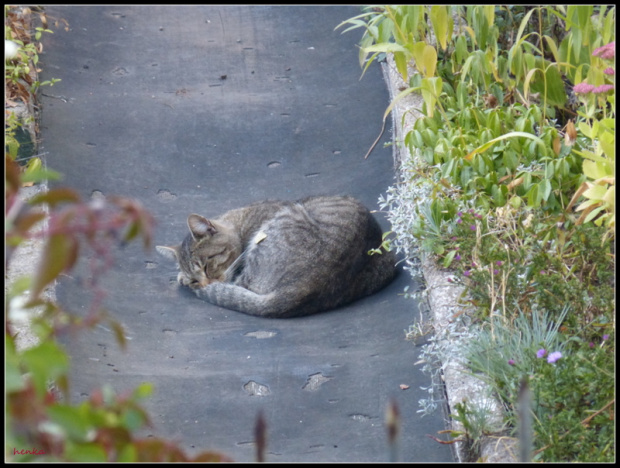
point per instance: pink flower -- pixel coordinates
(583, 88)
(609, 71)
(607, 51)
(603, 88)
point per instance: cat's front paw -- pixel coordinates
(192, 283)
(205, 291)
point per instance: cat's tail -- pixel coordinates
(378, 273)
(231, 296)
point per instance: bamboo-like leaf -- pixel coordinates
(490, 143)
(385, 47)
(400, 95)
(524, 23)
(528, 79)
(400, 59)
(590, 155)
(489, 12)
(439, 20)
(593, 214)
(553, 47)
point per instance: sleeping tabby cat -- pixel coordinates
(284, 259)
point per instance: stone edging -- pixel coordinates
(443, 297)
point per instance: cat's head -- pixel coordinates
(205, 254)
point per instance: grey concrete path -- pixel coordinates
(203, 109)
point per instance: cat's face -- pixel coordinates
(205, 254)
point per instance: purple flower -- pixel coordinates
(459, 214)
(554, 357)
(499, 263)
(583, 88)
(609, 71)
(603, 88)
(457, 257)
(459, 221)
(496, 271)
(543, 272)
(591, 345)
(541, 353)
(467, 273)
(511, 362)
(479, 216)
(472, 227)
(605, 337)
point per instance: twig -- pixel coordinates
(376, 141)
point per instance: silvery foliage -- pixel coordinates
(402, 203)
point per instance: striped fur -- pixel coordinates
(285, 259)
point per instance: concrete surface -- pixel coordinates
(203, 109)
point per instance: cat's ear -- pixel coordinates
(200, 227)
(171, 253)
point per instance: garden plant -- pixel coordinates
(511, 186)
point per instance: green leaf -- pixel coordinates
(400, 95)
(13, 379)
(596, 170)
(431, 89)
(533, 196)
(400, 59)
(596, 192)
(488, 144)
(74, 420)
(414, 14)
(440, 20)
(553, 47)
(45, 362)
(545, 189)
(59, 254)
(593, 214)
(386, 47)
(55, 197)
(40, 175)
(448, 258)
(425, 57)
(144, 390)
(607, 145)
(85, 453)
